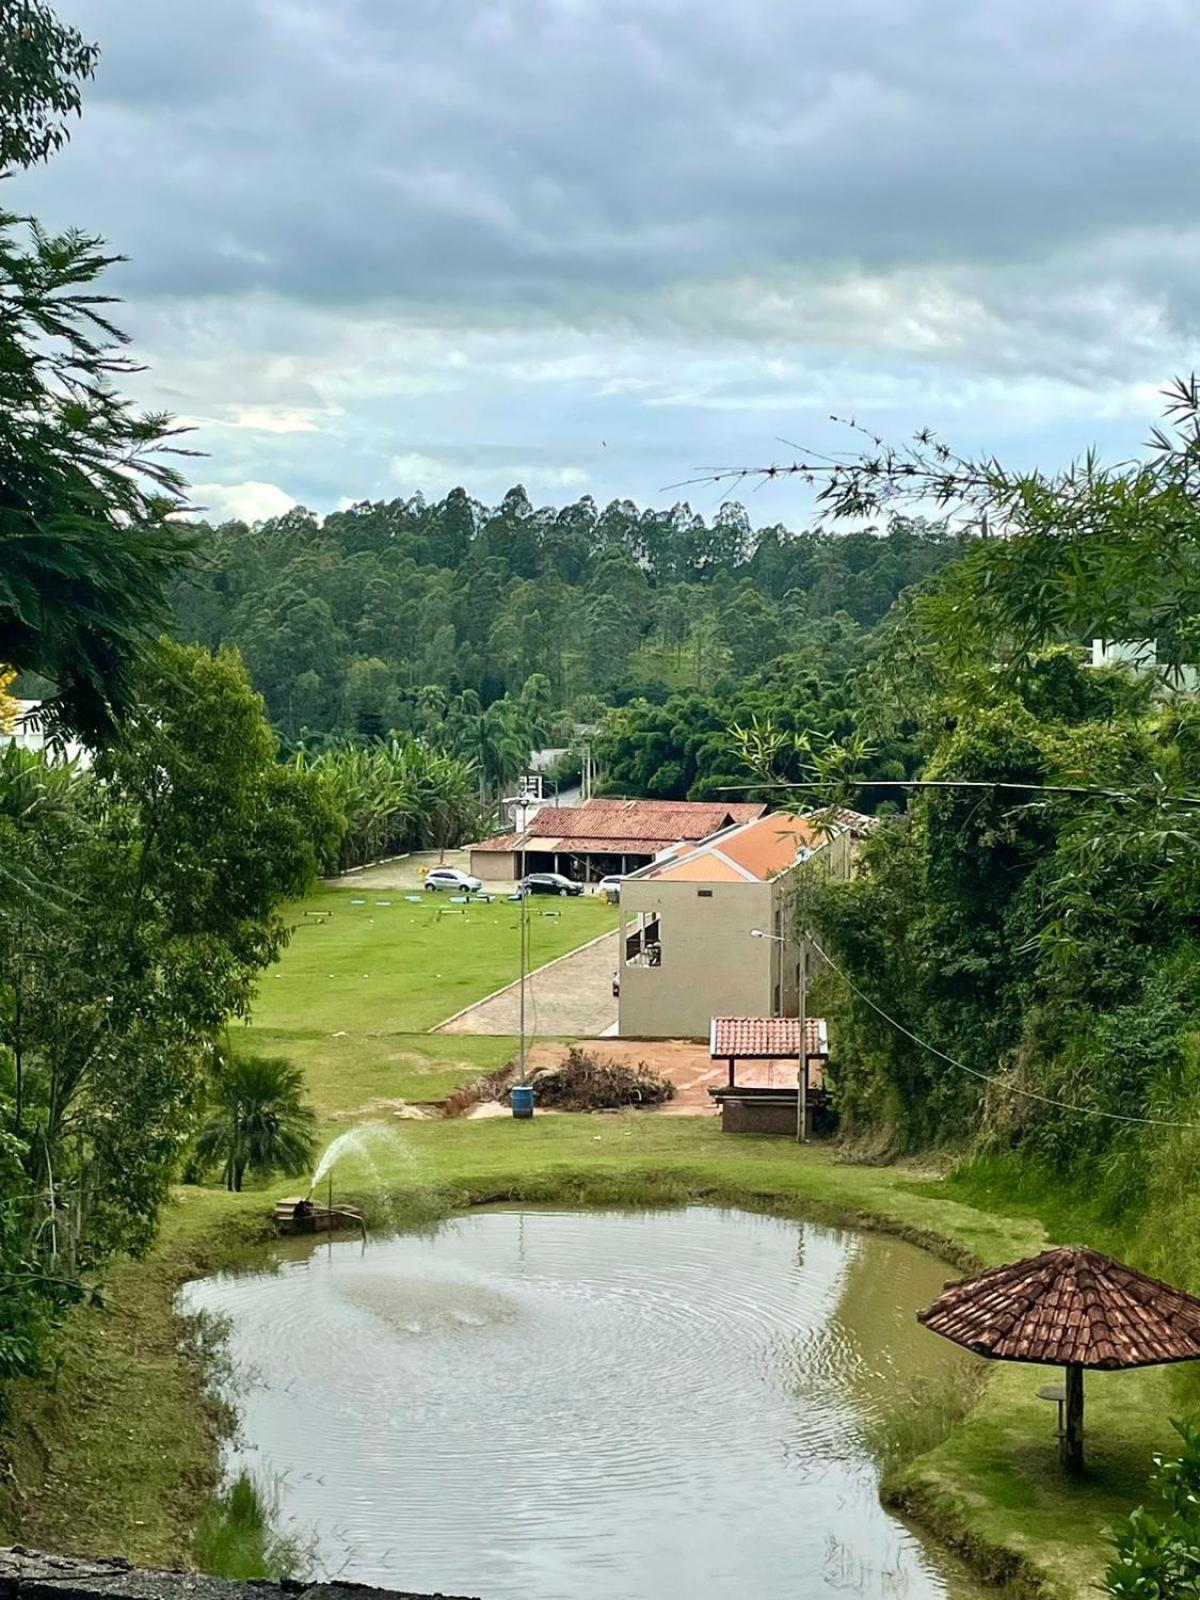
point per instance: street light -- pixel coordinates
(802, 1068)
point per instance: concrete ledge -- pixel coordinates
(33, 1575)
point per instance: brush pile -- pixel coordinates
(582, 1081)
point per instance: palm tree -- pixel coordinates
(257, 1119)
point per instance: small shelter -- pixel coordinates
(1070, 1307)
(769, 1108)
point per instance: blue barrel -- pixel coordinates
(522, 1100)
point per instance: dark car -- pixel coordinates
(549, 883)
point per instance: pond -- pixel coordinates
(554, 1405)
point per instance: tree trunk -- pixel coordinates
(1070, 1445)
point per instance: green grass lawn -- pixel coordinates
(353, 996)
(358, 1074)
(396, 967)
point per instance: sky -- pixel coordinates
(379, 247)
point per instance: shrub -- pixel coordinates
(1158, 1554)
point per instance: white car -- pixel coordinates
(452, 878)
(610, 887)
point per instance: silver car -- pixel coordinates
(454, 879)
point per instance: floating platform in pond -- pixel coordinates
(297, 1214)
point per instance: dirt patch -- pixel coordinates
(683, 1062)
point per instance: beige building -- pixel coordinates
(688, 951)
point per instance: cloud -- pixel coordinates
(434, 475)
(592, 242)
(248, 502)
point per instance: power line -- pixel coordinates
(858, 782)
(985, 1077)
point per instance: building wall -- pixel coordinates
(494, 866)
(710, 965)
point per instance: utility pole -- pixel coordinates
(524, 962)
(802, 1008)
(802, 1073)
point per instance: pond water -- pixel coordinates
(551, 1405)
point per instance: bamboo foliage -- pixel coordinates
(396, 795)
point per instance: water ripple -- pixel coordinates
(554, 1405)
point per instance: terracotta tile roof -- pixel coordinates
(765, 1038)
(662, 821)
(503, 841)
(755, 851)
(1070, 1305)
(703, 866)
(771, 845)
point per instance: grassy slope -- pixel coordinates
(995, 1482)
(353, 996)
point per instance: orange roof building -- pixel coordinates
(708, 928)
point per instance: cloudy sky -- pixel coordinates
(380, 246)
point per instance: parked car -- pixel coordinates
(549, 883)
(452, 878)
(610, 888)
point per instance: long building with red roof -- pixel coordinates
(604, 836)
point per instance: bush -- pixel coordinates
(1158, 1555)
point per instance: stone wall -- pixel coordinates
(33, 1575)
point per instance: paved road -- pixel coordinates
(571, 997)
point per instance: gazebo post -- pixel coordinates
(1070, 1444)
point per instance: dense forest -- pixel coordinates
(384, 617)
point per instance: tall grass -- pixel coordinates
(236, 1539)
(921, 1416)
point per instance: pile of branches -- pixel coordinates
(584, 1082)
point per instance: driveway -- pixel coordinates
(401, 872)
(570, 997)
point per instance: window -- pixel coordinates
(643, 947)
(705, 894)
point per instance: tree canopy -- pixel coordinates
(43, 64)
(354, 624)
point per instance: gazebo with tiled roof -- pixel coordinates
(747, 1108)
(1069, 1307)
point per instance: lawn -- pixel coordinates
(381, 964)
(359, 1074)
(368, 973)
